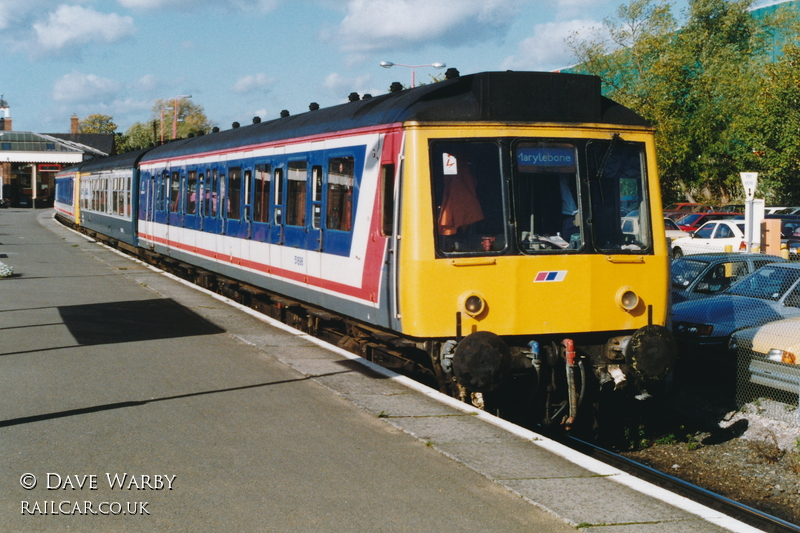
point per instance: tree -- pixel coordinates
(776, 130)
(696, 84)
(96, 123)
(191, 117)
(191, 121)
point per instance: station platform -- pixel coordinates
(132, 401)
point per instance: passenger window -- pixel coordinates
(191, 192)
(234, 193)
(339, 213)
(316, 196)
(297, 174)
(387, 200)
(261, 194)
(723, 232)
(278, 196)
(175, 193)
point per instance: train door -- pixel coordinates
(147, 204)
(191, 203)
(261, 188)
(297, 222)
(316, 227)
(390, 194)
(237, 205)
(212, 223)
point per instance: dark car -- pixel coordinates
(693, 221)
(703, 275)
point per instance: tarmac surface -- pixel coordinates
(130, 401)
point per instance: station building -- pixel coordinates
(29, 161)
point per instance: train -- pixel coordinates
(468, 231)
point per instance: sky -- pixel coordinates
(239, 59)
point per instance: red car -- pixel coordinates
(676, 211)
(692, 222)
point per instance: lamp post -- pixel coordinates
(389, 64)
(175, 115)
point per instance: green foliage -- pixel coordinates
(96, 123)
(698, 85)
(191, 121)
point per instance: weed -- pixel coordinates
(692, 443)
(769, 451)
(666, 440)
(383, 414)
(429, 444)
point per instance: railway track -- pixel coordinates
(739, 511)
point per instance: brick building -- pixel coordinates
(29, 161)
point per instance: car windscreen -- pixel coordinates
(766, 283)
(685, 271)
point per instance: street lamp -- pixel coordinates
(389, 64)
(175, 115)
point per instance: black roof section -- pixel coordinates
(482, 97)
(100, 141)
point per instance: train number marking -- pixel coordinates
(298, 260)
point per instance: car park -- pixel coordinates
(771, 355)
(693, 221)
(703, 275)
(712, 237)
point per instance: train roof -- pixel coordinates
(481, 97)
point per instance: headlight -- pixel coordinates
(781, 356)
(694, 330)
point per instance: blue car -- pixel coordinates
(703, 275)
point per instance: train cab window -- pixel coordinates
(191, 192)
(234, 193)
(175, 196)
(297, 175)
(261, 194)
(545, 195)
(339, 213)
(617, 183)
(387, 200)
(468, 197)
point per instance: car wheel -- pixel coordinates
(677, 253)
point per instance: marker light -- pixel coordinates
(627, 299)
(472, 304)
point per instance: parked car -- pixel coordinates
(771, 355)
(770, 293)
(675, 211)
(694, 221)
(703, 275)
(672, 229)
(785, 211)
(731, 208)
(712, 237)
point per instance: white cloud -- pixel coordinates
(546, 49)
(79, 87)
(75, 25)
(253, 83)
(371, 25)
(340, 87)
(245, 5)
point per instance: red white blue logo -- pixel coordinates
(553, 275)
